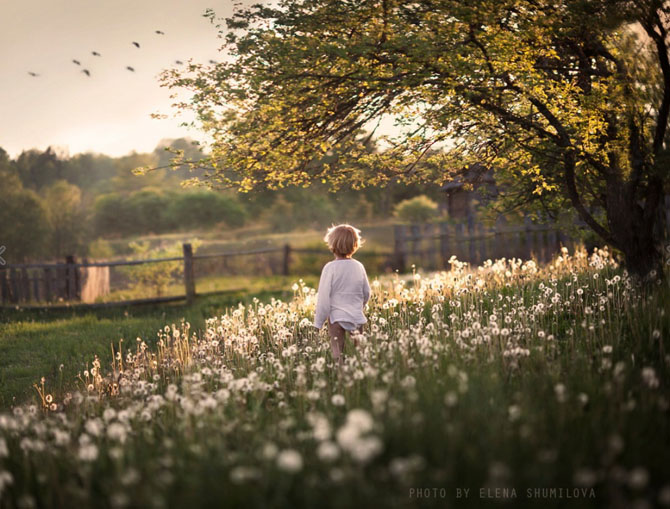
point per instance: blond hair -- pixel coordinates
(343, 239)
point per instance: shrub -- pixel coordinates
(416, 210)
(149, 208)
(197, 209)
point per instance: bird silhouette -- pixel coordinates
(96, 54)
(131, 69)
(136, 44)
(213, 62)
(76, 62)
(160, 32)
(178, 62)
(33, 74)
(86, 72)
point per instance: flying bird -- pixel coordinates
(213, 62)
(178, 62)
(76, 62)
(136, 44)
(131, 69)
(86, 72)
(33, 74)
(96, 54)
(160, 32)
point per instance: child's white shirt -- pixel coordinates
(343, 292)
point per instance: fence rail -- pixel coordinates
(85, 283)
(428, 246)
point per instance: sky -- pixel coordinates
(110, 111)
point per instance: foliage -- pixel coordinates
(148, 209)
(567, 101)
(300, 209)
(23, 221)
(67, 219)
(100, 249)
(203, 208)
(153, 278)
(508, 375)
(419, 209)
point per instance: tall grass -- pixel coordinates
(537, 385)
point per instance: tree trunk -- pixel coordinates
(634, 230)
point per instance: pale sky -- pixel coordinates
(110, 111)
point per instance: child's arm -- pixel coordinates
(323, 298)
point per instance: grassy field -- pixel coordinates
(534, 386)
(61, 344)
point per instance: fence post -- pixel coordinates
(430, 247)
(25, 285)
(444, 245)
(72, 284)
(47, 284)
(286, 265)
(4, 287)
(14, 282)
(189, 279)
(399, 247)
(471, 241)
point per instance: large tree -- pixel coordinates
(567, 101)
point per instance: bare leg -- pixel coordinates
(353, 336)
(337, 333)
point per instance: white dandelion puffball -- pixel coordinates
(289, 460)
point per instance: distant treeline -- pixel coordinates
(53, 204)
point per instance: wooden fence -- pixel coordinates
(85, 282)
(430, 246)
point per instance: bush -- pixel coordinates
(419, 209)
(24, 226)
(197, 209)
(149, 208)
(111, 215)
(301, 208)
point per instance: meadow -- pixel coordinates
(542, 386)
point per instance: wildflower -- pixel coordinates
(328, 451)
(88, 452)
(585, 477)
(649, 377)
(559, 390)
(514, 412)
(269, 451)
(638, 478)
(401, 467)
(117, 431)
(108, 414)
(360, 419)
(337, 400)
(451, 398)
(242, 474)
(366, 448)
(94, 427)
(6, 479)
(320, 426)
(289, 460)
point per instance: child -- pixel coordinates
(343, 288)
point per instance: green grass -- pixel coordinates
(507, 377)
(34, 344)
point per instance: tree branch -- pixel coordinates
(659, 39)
(573, 195)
